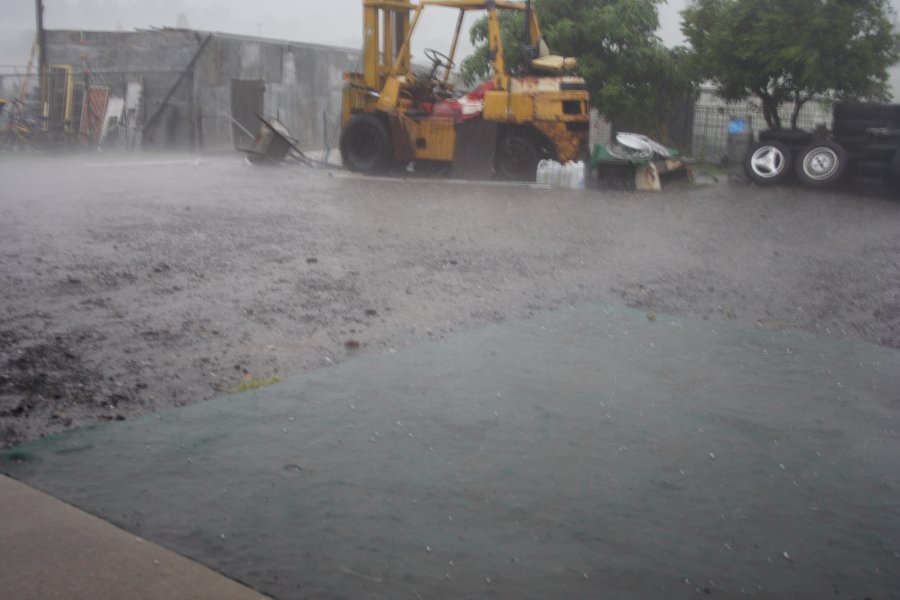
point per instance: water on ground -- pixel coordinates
(593, 452)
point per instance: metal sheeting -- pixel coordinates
(247, 99)
(272, 56)
(226, 59)
(96, 100)
(302, 81)
(210, 66)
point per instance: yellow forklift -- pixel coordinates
(394, 115)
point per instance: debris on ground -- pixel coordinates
(636, 162)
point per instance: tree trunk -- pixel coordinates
(770, 110)
(799, 102)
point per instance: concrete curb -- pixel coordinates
(53, 550)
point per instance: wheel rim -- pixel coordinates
(820, 163)
(767, 162)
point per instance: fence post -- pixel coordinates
(740, 138)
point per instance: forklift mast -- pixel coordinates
(386, 28)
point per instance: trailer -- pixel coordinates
(864, 141)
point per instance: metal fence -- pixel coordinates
(124, 110)
(709, 136)
(10, 84)
(12, 81)
(109, 110)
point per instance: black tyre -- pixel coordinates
(852, 143)
(857, 110)
(366, 145)
(516, 158)
(878, 151)
(788, 137)
(872, 168)
(867, 111)
(768, 163)
(821, 164)
(892, 179)
(856, 127)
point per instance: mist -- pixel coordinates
(336, 22)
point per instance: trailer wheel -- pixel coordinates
(516, 158)
(365, 144)
(789, 137)
(892, 179)
(768, 163)
(821, 164)
(866, 111)
(857, 127)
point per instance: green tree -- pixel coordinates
(634, 80)
(792, 51)
(477, 66)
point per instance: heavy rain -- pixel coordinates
(246, 351)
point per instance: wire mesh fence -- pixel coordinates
(118, 110)
(105, 110)
(709, 136)
(116, 113)
(16, 86)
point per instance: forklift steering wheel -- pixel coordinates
(439, 59)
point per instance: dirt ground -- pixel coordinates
(131, 286)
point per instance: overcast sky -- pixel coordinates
(337, 22)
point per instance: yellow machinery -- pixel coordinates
(12, 133)
(57, 97)
(393, 116)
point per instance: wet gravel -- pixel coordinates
(129, 287)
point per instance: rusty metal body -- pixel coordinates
(549, 111)
(272, 143)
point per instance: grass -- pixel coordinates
(709, 169)
(253, 383)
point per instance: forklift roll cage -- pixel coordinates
(388, 27)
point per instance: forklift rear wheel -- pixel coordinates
(516, 159)
(365, 144)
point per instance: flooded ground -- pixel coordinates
(584, 453)
(132, 285)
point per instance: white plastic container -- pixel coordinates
(543, 172)
(554, 174)
(578, 177)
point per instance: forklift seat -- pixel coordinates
(466, 108)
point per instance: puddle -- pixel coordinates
(584, 453)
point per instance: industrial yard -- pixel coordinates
(134, 285)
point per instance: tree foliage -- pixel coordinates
(791, 51)
(477, 66)
(634, 81)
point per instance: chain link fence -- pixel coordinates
(109, 111)
(105, 110)
(709, 136)
(12, 80)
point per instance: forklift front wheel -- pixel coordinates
(516, 159)
(365, 144)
